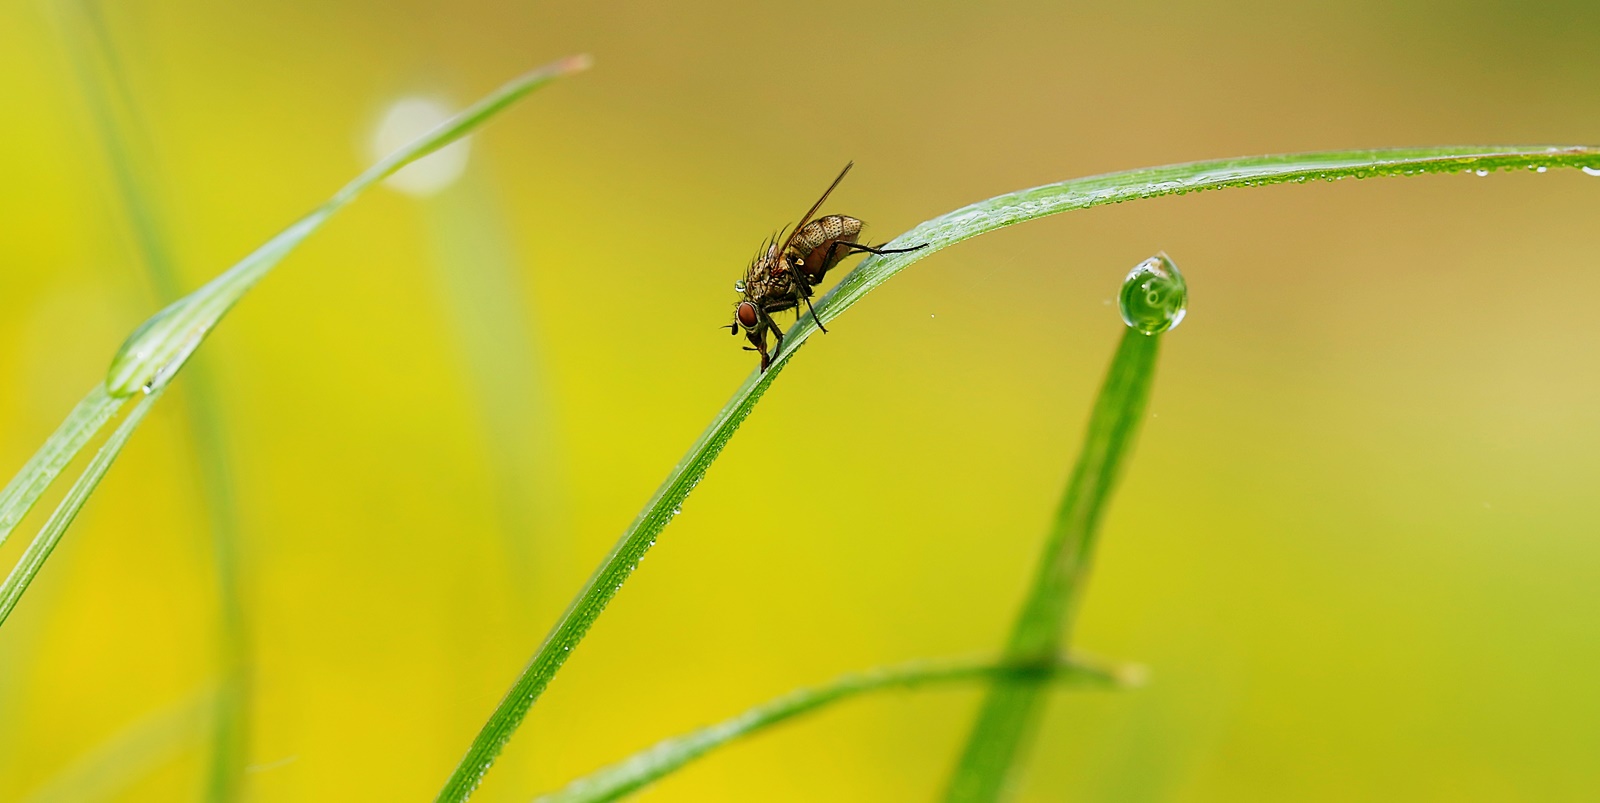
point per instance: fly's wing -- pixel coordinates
(806, 220)
(814, 244)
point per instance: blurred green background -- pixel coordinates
(1357, 544)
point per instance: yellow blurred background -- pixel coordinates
(1357, 544)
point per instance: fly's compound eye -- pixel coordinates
(746, 315)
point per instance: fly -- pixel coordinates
(785, 272)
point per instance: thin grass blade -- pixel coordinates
(648, 766)
(939, 233)
(1011, 709)
(58, 450)
(45, 541)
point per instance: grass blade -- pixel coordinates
(116, 117)
(650, 765)
(939, 233)
(45, 541)
(58, 450)
(1010, 710)
(160, 346)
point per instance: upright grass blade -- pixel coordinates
(1011, 709)
(477, 270)
(650, 765)
(942, 232)
(116, 117)
(45, 542)
(156, 350)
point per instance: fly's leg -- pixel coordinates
(803, 289)
(869, 249)
(758, 338)
(777, 333)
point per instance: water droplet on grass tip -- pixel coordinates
(1480, 172)
(1154, 296)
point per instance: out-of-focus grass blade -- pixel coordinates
(1011, 709)
(159, 348)
(116, 118)
(478, 271)
(939, 233)
(58, 450)
(125, 758)
(650, 765)
(155, 352)
(45, 541)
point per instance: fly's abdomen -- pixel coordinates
(814, 244)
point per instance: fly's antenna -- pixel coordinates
(787, 241)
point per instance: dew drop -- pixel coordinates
(676, 509)
(1154, 296)
(1593, 171)
(1480, 172)
(1540, 169)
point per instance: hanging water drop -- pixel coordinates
(1540, 169)
(1480, 172)
(1154, 296)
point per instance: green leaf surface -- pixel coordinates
(648, 766)
(939, 233)
(1011, 710)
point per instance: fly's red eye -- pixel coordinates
(746, 315)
